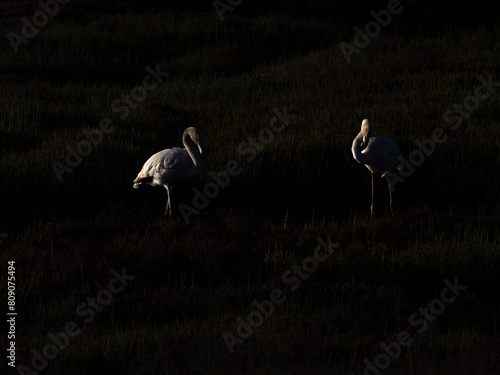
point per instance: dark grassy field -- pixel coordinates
(238, 290)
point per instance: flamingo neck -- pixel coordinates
(359, 144)
(356, 149)
(193, 152)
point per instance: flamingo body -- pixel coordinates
(167, 167)
(380, 155)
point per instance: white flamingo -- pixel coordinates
(169, 167)
(378, 154)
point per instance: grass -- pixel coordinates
(193, 281)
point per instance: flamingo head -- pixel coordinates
(197, 137)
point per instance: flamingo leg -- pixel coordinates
(390, 199)
(168, 208)
(373, 196)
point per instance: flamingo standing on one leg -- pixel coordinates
(169, 167)
(378, 154)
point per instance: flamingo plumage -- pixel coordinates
(172, 166)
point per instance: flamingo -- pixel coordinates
(172, 166)
(378, 154)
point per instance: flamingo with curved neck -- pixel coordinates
(172, 166)
(378, 154)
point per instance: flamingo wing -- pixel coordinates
(166, 167)
(383, 153)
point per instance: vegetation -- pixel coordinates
(194, 281)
